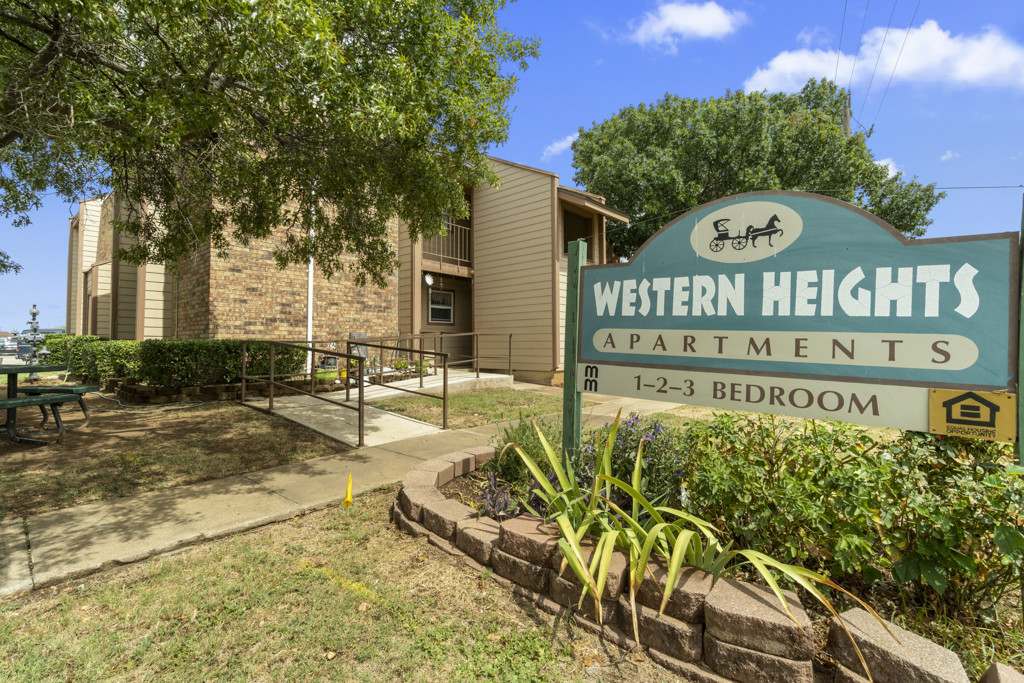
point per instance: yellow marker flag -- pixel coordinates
(348, 493)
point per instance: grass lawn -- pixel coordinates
(3, 378)
(475, 408)
(334, 595)
(145, 448)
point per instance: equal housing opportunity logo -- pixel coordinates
(799, 304)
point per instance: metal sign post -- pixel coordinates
(572, 403)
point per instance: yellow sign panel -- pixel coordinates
(987, 415)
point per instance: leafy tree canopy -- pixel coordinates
(219, 120)
(656, 162)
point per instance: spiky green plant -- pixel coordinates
(682, 539)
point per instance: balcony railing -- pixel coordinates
(455, 248)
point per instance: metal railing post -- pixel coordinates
(510, 354)
(245, 360)
(444, 419)
(348, 372)
(312, 370)
(476, 354)
(419, 347)
(362, 412)
(271, 376)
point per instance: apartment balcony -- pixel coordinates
(450, 254)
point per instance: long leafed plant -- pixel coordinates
(646, 531)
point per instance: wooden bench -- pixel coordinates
(79, 390)
(42, 400)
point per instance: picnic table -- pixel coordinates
(12, 402)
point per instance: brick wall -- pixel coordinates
(246, 296)
(193, 297)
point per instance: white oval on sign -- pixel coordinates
(745, 232)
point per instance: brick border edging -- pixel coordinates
(731, 631)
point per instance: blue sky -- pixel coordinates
(944, 97)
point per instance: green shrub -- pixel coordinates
(508, 465)
(661, 471)
(103, 359)
(933, 513)
(68, 349)
(195, 362)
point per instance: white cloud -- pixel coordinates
(931, 56)
(675, 21)
(813, 36)
(950, 154)
(558, 146)
(890, 166)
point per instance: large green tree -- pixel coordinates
(656, 162)
(226, 119)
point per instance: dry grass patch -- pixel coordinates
(476, 408)
(145, 448)
(334, 595)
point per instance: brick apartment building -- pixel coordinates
(501, 272)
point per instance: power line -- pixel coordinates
(856, 53)
(879, 57)
(839, 52)
(905, 36)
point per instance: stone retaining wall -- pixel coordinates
(728, 631)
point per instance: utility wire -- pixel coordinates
(856, 53)
(839, 52)
(879, 57)
(905, 36)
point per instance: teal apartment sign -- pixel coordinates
(797, 304)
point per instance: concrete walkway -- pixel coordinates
(379, 427)
(44, 549)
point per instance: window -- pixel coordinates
(442, 307)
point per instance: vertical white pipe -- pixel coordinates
(309, 315)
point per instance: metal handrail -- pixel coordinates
(441, 336)
(453, 247)
(368, 343)
(309, 348)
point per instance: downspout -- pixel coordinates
(309, 312)
(309, 295)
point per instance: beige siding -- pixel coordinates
(102, 294)
(127, 286)
(74, 305)
(512, 267)
(89, 225)
(157, 310)
(405, 275)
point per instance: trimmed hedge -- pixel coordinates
(68, 349)
(172, 363)
(195, 362)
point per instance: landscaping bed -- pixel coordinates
(755, 488)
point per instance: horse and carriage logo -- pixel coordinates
(765, 227)
(751, 234)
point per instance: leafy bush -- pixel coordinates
(103, 359)
(195, 362)
(510, 467)
(932, 512)
(175, 363)
(661, 471)
(69, 349)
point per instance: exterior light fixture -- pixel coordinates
(428, 278)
